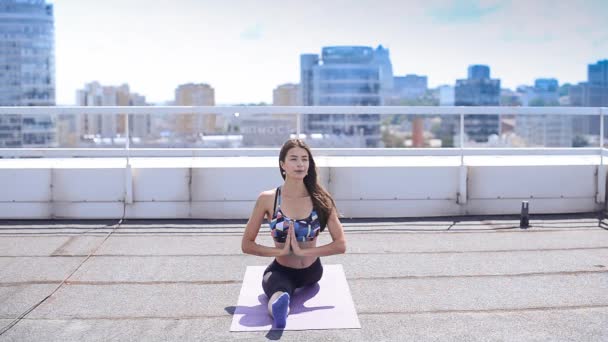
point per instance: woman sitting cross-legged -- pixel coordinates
(298, 211)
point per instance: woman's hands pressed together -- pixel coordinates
(286, 250)
(291, 246)
(295, 247)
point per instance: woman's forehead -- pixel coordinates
(297, 151)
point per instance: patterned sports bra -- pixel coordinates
(306, 229)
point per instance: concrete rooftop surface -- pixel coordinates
(452, 279)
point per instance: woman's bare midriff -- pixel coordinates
(295, 261)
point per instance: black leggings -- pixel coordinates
(281, 278)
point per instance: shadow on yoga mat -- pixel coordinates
(325, 305)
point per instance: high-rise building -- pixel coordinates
(141, 125)
(27, 61)
(410, 87)
(478, 72)
(308, 62)
(593, 93)
(550, 85)
(383, 61)
(446, 95)
(544, 93)
(345, 76)
(286, 95)
(598, 73)
(189, 126)
(90, 126)
(479, 90)
(543, 130)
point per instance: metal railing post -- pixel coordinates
(128, 173)
(461, 138)
(601, 170)
(462, 188)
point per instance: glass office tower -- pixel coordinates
(27, 71)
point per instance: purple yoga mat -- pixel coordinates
(325, 305)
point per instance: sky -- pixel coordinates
(245, 48)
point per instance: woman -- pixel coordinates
(297, 212)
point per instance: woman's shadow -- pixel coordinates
(257, 316)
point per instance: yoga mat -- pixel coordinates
(325, 305)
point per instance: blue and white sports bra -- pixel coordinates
(306, 229)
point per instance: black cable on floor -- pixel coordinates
(27, 312)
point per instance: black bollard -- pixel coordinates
(524, 220)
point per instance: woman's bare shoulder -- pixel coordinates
(267, 196)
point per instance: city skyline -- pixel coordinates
(245, 50)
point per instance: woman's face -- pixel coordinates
(296, 163)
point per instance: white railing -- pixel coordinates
(462, 178)
(298, 111)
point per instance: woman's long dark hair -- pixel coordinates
(322, 201)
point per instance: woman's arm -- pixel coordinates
(248, 244)
(337, 246)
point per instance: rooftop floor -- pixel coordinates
(424, 279)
